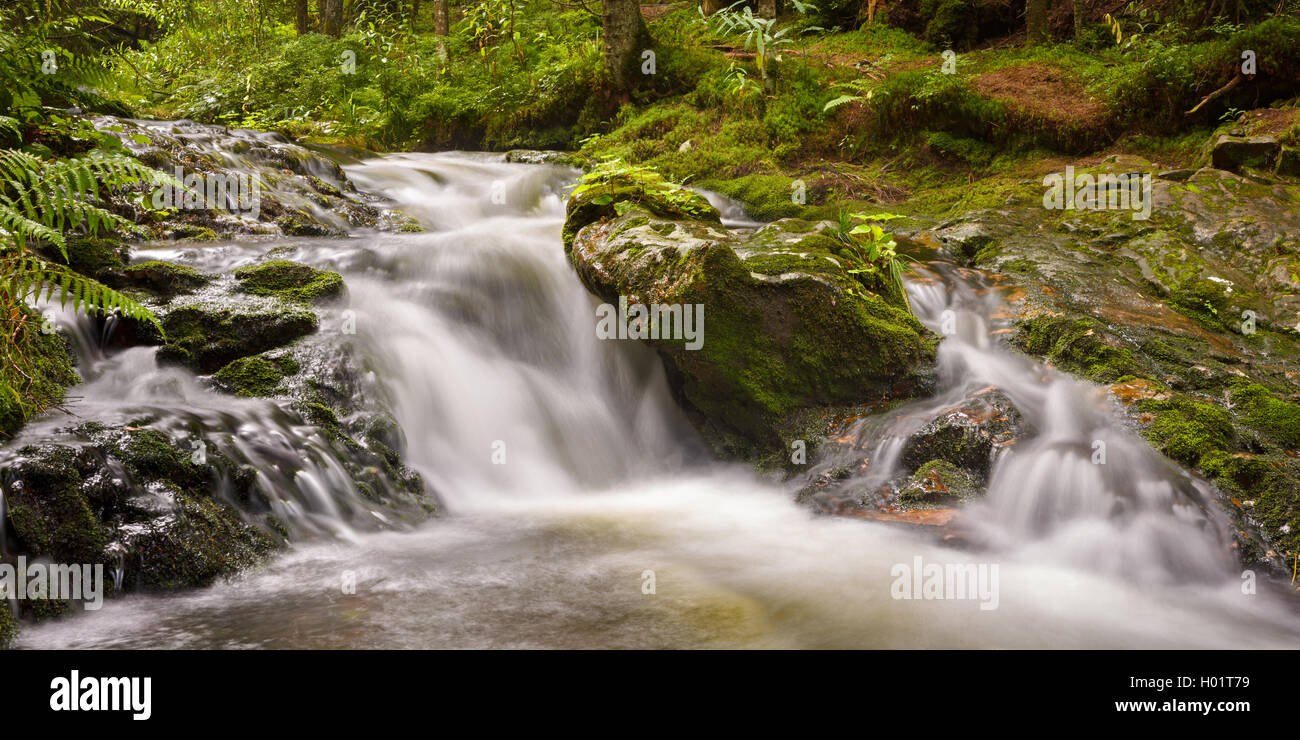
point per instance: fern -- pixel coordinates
(27, 277)
(39, 201)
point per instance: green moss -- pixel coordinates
(205, 338)
(290, 280)
(1076, 345)
(91, 256)
(35, 370)
(940, 482)
(46, 507)
(1266, 486)
(164, 278)
(1279, 419)
(258, 375)
(1185, 430)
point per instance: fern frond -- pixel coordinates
(26, 277)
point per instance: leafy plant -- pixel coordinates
(758, 33)
(873, 251)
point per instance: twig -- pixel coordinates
(1231, 84)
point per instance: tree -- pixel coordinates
(766, 8)
(625, 38)
(441, 26)
(300, 16)
(331, 17)
(1080, 11)
(711, 6)
(1035, 22)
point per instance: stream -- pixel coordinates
(580, 510)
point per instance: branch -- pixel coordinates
(1217, 93)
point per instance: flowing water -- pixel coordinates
(571, 484)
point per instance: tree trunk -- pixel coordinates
(625, 38)
(711, 6)
(301, 19)
(1035, 22)
(415, 9)
(331, 17)
(441, 25)
(1080, 18)
(766, 8)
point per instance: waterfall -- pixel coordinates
(581, 510)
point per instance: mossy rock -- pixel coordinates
(164, 279)
(258, 375)
(63, 505)
(50, 512)
(1261, 410)
(1077, 345)
(1185, 429)
(40, 384)
(290, 280)
(1265, 486)
(788, 331)
(607, 196)
(939, 482)
(199, 543)
(91, 256)
(205, 337)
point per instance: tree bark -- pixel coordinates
(300, 16)
(767, 8)
(1035, 22)
(625, 38)
(1080, 11)
(711, 6)
(441, 26)
(331, 17)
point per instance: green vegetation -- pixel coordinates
(290, 280)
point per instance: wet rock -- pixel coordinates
(535, 156)
(131, 499)
(292, 281)
(1235, 152)
(939, 482)
(297, 192)
(205, 337)
(1288, 162)
(788, 330)
(966, 436)
(259, 375)
(965, 240)
(95, 257)
(164, 280)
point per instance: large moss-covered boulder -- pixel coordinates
(787, 331)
